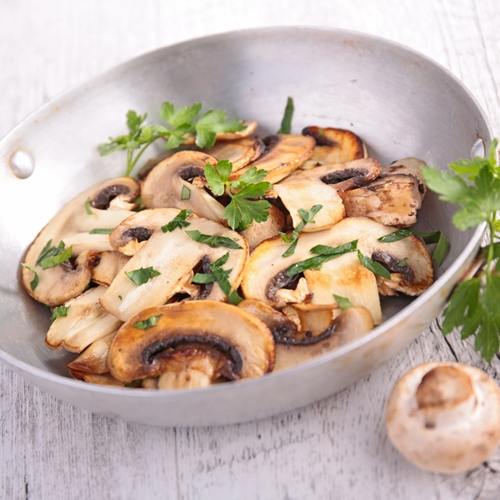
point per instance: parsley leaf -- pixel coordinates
(286, 123)
(212, 240)
(142, 275)
(148, 322)
(473, 306)
(243, 208)
(101, 230)
(34, 281)
(178, 222)
(185, 193)
(52, 256)
(326, 253)
(87, 207)
(179, 123)
(343, 302)
(307, 217)
(374, 266)
(221, 276)
(59, 312)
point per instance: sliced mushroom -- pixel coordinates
(86, 321)
(407, 259)
(94, 208)
(257, 232)
(284, 153)
(322, 329)
(333, 145)
(240, 153)
(325, 185)
(444, 417)
(234, 344)
(110, 263)
(394, 198)
(163, 187)
(93, 378)
(93, 359)
(172, 254)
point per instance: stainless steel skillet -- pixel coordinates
(398, 101)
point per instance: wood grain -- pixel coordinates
(334, 449)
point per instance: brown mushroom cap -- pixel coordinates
(444, 417)
(243, 342)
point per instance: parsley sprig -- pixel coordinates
(179, 123)
(243, 208)
(307, 216)
(220, 275)
(473, 306)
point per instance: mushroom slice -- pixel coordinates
(250, 127)
(284, 153)
(234, 344)
(168, 185)
(324, 185)
(72, 225)
(109, 265)
(239, 153)
(444, 417)
(351, 324)
(173, 255)
(407, 259)
(408, 166)
(93, 358)
(58, 284)
(86, 321)
(346, 277)
(257, 232)
(333, 145)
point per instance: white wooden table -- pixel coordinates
(337, 448)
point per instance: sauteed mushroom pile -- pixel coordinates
(150, 285)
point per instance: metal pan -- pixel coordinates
(401, 103)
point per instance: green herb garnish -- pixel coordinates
(435, 237)
(148, 322)
(374, 266)
(307, 217)
(52, 256)
(243, 208)
(87, 207)
(221, 276)
(178, 222)
(185, 193)
(98, 230)
(59, 312)
(142, 275)
(212, 240)
(179, 123)
(286, 123)
(326, 253)
(473, 306)
(402, 263)
(343, 302)
(34, 281)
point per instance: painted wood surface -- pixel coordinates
(334, 449)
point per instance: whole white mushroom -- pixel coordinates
(444, 417)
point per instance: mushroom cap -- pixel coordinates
(163, 186)
(243, 341)
(444, 417)
(173, 254)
